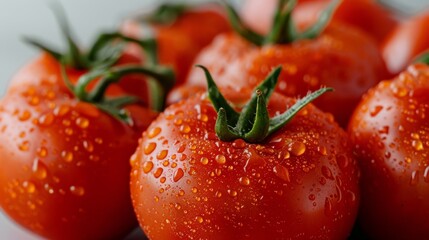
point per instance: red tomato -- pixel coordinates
(179, 42)
(299, 183)
(340, 57)
(65, 173)
(363, 14)
(390, 132)
(405, 42)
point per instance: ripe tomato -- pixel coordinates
(340, 57)
(366, 15)
(64, 174)
(180, 41)
(298, 183)
(405, 42)
(389, 130)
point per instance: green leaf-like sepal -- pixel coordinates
(283, 30)
(253, 124)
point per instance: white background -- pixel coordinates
(34, 18)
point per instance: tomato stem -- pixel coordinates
(253, 123)
(164, 78)
(422, 58)
(283, 30)
(166, 13)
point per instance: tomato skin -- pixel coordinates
(65, 173)
(203, 188)
(365, 15)
(405, 42)
(389, 130)
(179, 42)
(340, 58)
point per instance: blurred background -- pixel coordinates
(34, 18)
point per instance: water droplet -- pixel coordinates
(327, 173)
(166, 163)
(328, 207)
(245, 181)
(149, 148)
(218, 194)
(200, 219)
(154, 132)
(24, 116)
(147, 166)
(34, 100)
(178, 175)
(181, 192)
(158, 172)
(88, 146)
(69, 131)
(82, 122)
(194, 190)
(220, 159)
(297, 148)
(39, 169)
(61, 110)
(282, 172)
(162, 179)
(426, 174)
(312, 197)
(162, 154)
(78, 191)
(203, 117)
(178, 121)
(399, 91)
(417, 144)
(185, 129)
(414, 180)
(42, 152)
(173, 165)
(218, 172)
(375, 111)
(342, 161)
(31, 205)
(46, 119)
(67, 156)
(239, 144)
(99, 141)
(24, 146)
(29, 187)
(204, 160)
(232, 193)
(322, 150)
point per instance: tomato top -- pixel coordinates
(300, 182)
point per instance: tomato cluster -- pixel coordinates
(94, 143)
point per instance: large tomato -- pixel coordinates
(405, 42)
(299, 183)
(366, 15)
(340, 57)
(390, 132)
(181, 34)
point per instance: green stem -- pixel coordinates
(283, 30)
(166, 13)
(422, 58)
(253, 123)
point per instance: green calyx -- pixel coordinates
(104, 52)
(162, 77)
(253, 124)
(166, 13)
(422, 58)
(283, 30)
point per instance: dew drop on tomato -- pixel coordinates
(67, 156)
(29, 187)
(162, 154)
(297, 148)
(82, 122)
(327, 172)
(426, 174)
(39, 169)
(24, 116)
(375, 111)
(282, 172)
(149, 148)
(414, 180)
(154, 132)
(158, 172)
(328, 207)
(221, 159)
(178, 174)
(147, 166)
(245, 181)
(78, 191)
(42, 152)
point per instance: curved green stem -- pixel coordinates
(166, 13)
(253, 124)
(283, 29)
(422, 58)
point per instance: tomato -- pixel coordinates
(390, 132)
(180, 39)
(406, 42)
(298, 183)
(340, 57)
(65, 141)
(366, 15)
